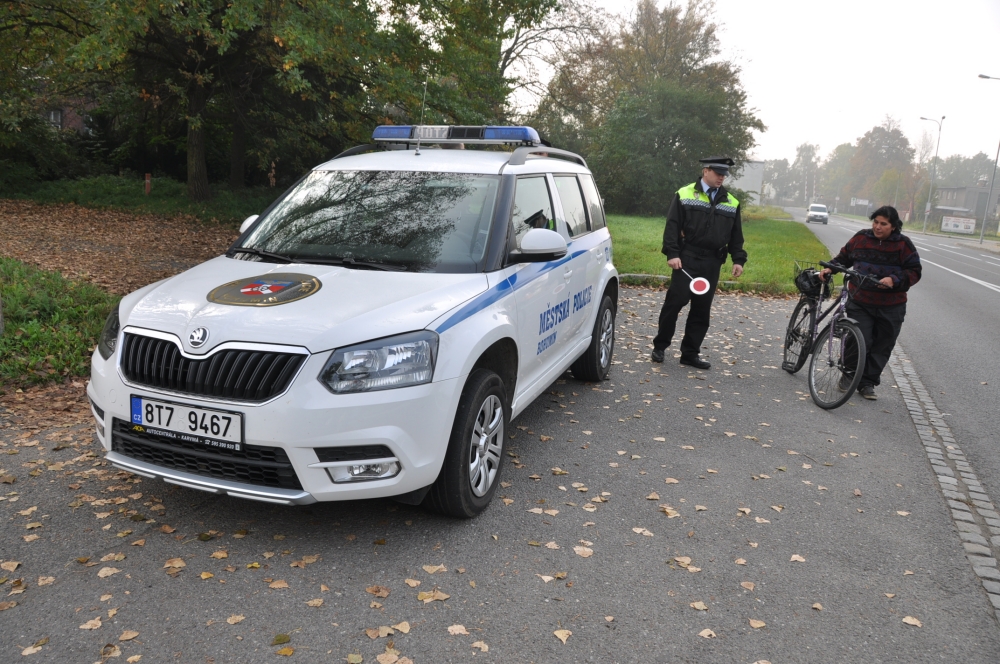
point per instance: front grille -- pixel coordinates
(239, 375)
(260, 466)
(358, 453)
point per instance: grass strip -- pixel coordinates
(773, 246)
(167, 197)
(51, 324)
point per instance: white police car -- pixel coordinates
(373, 332)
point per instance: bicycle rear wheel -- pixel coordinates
(836, 365)
(797, 337)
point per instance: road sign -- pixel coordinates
(958, 225)
(861, 201)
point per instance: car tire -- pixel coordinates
(825, 223)
(595, 363)
(474, 460)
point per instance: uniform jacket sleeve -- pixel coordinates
(736, 241)
(672, 232)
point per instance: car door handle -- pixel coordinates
(567, 274)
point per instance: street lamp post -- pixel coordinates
(982, 231)
(930, 190)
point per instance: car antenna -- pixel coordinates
(422, 104)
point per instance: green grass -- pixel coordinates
(166, 196)
(51, 324)
(764, 212)
(773, 246)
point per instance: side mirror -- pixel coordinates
(539, 245)
(248, 222)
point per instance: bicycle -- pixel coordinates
(838, 350)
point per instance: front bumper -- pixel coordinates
(414, 423)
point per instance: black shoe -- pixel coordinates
(656, 355)
(868, 392)
(845, 382)
(696, 362)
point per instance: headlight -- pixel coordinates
(383, 364)
(109, 336)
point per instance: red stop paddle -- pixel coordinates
(698, 285)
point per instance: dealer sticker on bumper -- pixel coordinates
(212, 428)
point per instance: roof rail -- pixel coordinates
(520, 155)
(358, 149)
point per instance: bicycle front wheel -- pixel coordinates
(836, 366)
(797, 337)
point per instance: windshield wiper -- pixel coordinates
(347, 262)
(262, 254)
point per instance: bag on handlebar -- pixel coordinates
(809, 283)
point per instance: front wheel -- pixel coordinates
(836, 366)
(472, 464)
(798, 336)
(595, 363)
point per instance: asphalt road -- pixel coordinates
(751, 476)
(951, 333)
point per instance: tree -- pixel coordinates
(805, 171)
(778, 180)
(880, 149)
(835, 174)
(959, 171)
(645, 99)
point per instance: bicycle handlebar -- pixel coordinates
(833, 267)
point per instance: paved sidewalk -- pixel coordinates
(666, 515)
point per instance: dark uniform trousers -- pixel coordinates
(880, 327)
(679, 294)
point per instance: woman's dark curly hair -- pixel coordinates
(889, 213)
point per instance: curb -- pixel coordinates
(973, 513)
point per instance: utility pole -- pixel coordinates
(930, 190)
(982, 231)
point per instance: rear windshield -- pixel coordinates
(817, 208)
(421, 222)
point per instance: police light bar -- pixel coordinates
(455, 134)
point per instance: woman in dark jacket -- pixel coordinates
(879, 308)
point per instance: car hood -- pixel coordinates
(350, 305)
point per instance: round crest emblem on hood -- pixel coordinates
(267, 290)
(198, 337)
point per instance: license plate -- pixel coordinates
(212, 428)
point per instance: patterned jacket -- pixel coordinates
(894, 257)
(697, 224)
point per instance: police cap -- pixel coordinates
(720, 165)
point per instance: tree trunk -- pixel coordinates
(197, 168)
(237, 153)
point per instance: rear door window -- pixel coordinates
(593, 202)
(572, 203)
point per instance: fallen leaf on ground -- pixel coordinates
(544, 578)
(910, 620)
(818, 606)
(413, 583)
(671, 480)
(280, 639)
(232, 620)
(432, 569)
(287, 651)
(653, 496)
(563, 634)
(378, 591)
(740, 561)
(7, 605)
(481, 645)
(176, 563)
(46, 580)
(901, 513)
(796, 558)
(699, 606)
(403, 627)
(642, 531)
(777, 508)
(706, 634)
(92, 624)
(700, 508)
(889, 595)
(749, 585)
(583, 552)
(206, 575)
(757, 624)
(457, 629)
(907, 573)
(277, 585)
(128, 635)
(760, 520)
(167, 529)
(354, 658)
(314, 602)
(745, 510)
(105, 572)
(9, 566)
(432, 595)
(219, 555)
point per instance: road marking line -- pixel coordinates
(970, 505)
(965, 276)
(961, 254)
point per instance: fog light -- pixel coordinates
(361, 472)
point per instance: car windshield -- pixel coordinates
(418, 221)
(817, 208)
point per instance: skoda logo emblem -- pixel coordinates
(198, 337)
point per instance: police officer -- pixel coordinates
(703, 226)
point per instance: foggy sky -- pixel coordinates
(827, 71)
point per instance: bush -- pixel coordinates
(51, 324)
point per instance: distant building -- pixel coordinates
(751, 180)
(968, 202)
